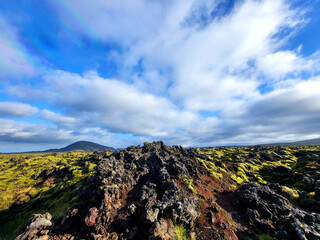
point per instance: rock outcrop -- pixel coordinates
(268, 211)
(37, 227)
(160, 192)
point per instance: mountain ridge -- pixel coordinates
(81, 146)
(313, 141)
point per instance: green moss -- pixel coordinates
(244, 164)
(21, 182)
(189, 184)
(216, 175)
(301, 186)
(211, 167)
(181, 232)
(293, 193)
(265, 237)
(235, 178)
(113, 185)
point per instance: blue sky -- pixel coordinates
(188, 72)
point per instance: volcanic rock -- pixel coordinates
(37, 227)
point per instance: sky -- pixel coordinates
(188, 72)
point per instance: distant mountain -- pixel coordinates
(315, 141)
(81, 146)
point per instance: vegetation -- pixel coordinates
(235, 165)
(285, 165)
(265, 237)
(189, 184)
(37, 183)
(181, 232)
(41, 182)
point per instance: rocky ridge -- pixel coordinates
(161, 192)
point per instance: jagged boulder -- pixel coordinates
(37, 228)
(140, 192)
(91, 217)
(266, 156)
(272, 213)
(317, 190)
(161, 231)
(279, 174)
(267, 202)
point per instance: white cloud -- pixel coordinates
(277, 65)
(301, 100)
(286, 114)
(22, 131)
(281, 114)
(16, 109)
(116, 105)
(58, 118)
(210, 66)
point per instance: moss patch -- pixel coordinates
(37, 183)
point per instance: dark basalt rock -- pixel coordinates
(267, 202)
(138, 191)
(266, 156)
(270, 212)
(279, 174)
(317, 190)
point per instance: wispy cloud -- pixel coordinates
(58, 119)
(14, 131)
(16, 109)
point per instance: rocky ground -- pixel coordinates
(161, 192)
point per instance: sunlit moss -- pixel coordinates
(293, 193)
(214, 171)
(23, 181)
(235, 178)
(189, 184)
(181, 232)
(246, 164)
